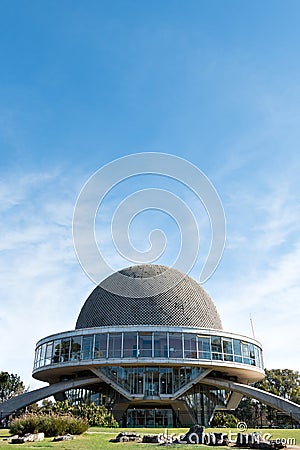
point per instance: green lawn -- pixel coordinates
(98, 438)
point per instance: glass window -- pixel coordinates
(130, 345)
(184, 375)
(100, 349)
(87, 346)
(134, 377)
(145, 345)
(216, 348)
(48, 354)
(245, 353)
(151, 381)
(115, 343)
(75, 348)
(160, 345)
(237, 350)
(65, 350)
(175, 379)
(139, 377)
(131, 377)
(190, 346)
(42, 356)
(261, 358)
(56, 358)
(227, 346)
(175, 345)
(37, 358)
(251, 354)
(258, 362)
(227, 349)
(203, 347)
(166, 377)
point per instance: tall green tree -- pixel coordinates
(282, 382)
(10, 386)
(252, 412)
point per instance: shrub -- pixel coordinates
(224, 420)
(77, 425)
(95, 415)
(25, 424)
(51, 425)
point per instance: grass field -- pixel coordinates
(98, 438)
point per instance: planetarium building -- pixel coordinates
(156, 355)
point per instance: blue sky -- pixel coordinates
(213, 82)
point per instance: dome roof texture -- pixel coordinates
(163, 296)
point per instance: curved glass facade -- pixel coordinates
(151, 381)
(71, 347)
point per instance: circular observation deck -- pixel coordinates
(65, 354)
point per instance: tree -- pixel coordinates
(252, 412)
(10, 386)
(285, 383)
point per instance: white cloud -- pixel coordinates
(41, 284)
(259, 274)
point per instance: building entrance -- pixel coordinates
(150, 418)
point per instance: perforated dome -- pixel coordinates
(185, 303)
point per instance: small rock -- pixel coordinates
(126, 436)
(66, 437)
(151, 439)
(29, 437)
(37, 437)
